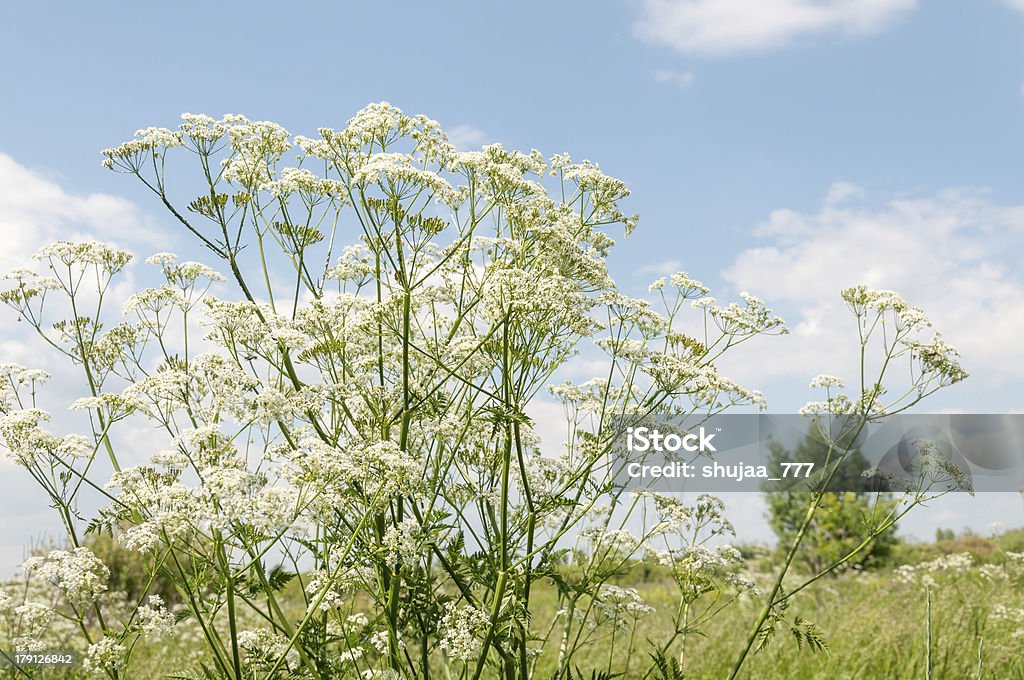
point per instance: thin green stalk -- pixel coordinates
(236, 658)
(928, 634)
(499, 595)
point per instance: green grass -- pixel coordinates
(874, 624)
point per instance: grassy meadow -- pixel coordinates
(949, 609)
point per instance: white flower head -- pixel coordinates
(78, 573)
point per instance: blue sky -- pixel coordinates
(785, 147)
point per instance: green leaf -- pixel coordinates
(279, 577)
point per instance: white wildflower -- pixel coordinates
(460, 630)
(154, 619)
(78, 573)
(104, 656)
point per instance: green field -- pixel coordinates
(875, 623)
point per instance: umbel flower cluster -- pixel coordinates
(339, 408)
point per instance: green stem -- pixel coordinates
(499, 595)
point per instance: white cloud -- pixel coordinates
(952, 253)
(466, 137)
(655, 269)
(717, 27)
(1015, 4)
(35, 210)
(681, 79)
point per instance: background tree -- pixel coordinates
(847, 512)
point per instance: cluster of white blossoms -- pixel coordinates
(709, 513)
(696, 524)
(1011, 616)
(186, 277)
(28, 286)
(862, 300)
(835, 404)
(603, 192)
(255, 147)
(355, 623)
(586, 397)
(211, 385)
(688, 287)
(78, 253)
(154, 619)
(546, 305)
(148, 142)
(379, 470)
(330, 589)
(546, 477)
(104, 656)
(262, 645)
(35, 620)
(27, 442)
(78, 573)
(156, 493)
(927, 573)
(461, 629)
(380, 641)
(939, 360)
(933, 364)
(351, 655)
(149, 303)
(228, 495)
(325, 591)
(379, 124)
(751, 318)
(401, 542)
(506, 172)
(928, 470)
(620, 606)
(826, 382)
(242, 324)
(674, 516)
(201, 130)
(71, 265)
(401, 170)
(704, 558)
(257, 331)
(1012, 568)
(352, 265)
(303, 182)
(609, 544)
(699, 569)
(679, 364)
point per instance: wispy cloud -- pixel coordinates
(681, 79)
(662, 268)
(466, 137)
(719, 27)
(950, 253)
(35, 210)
